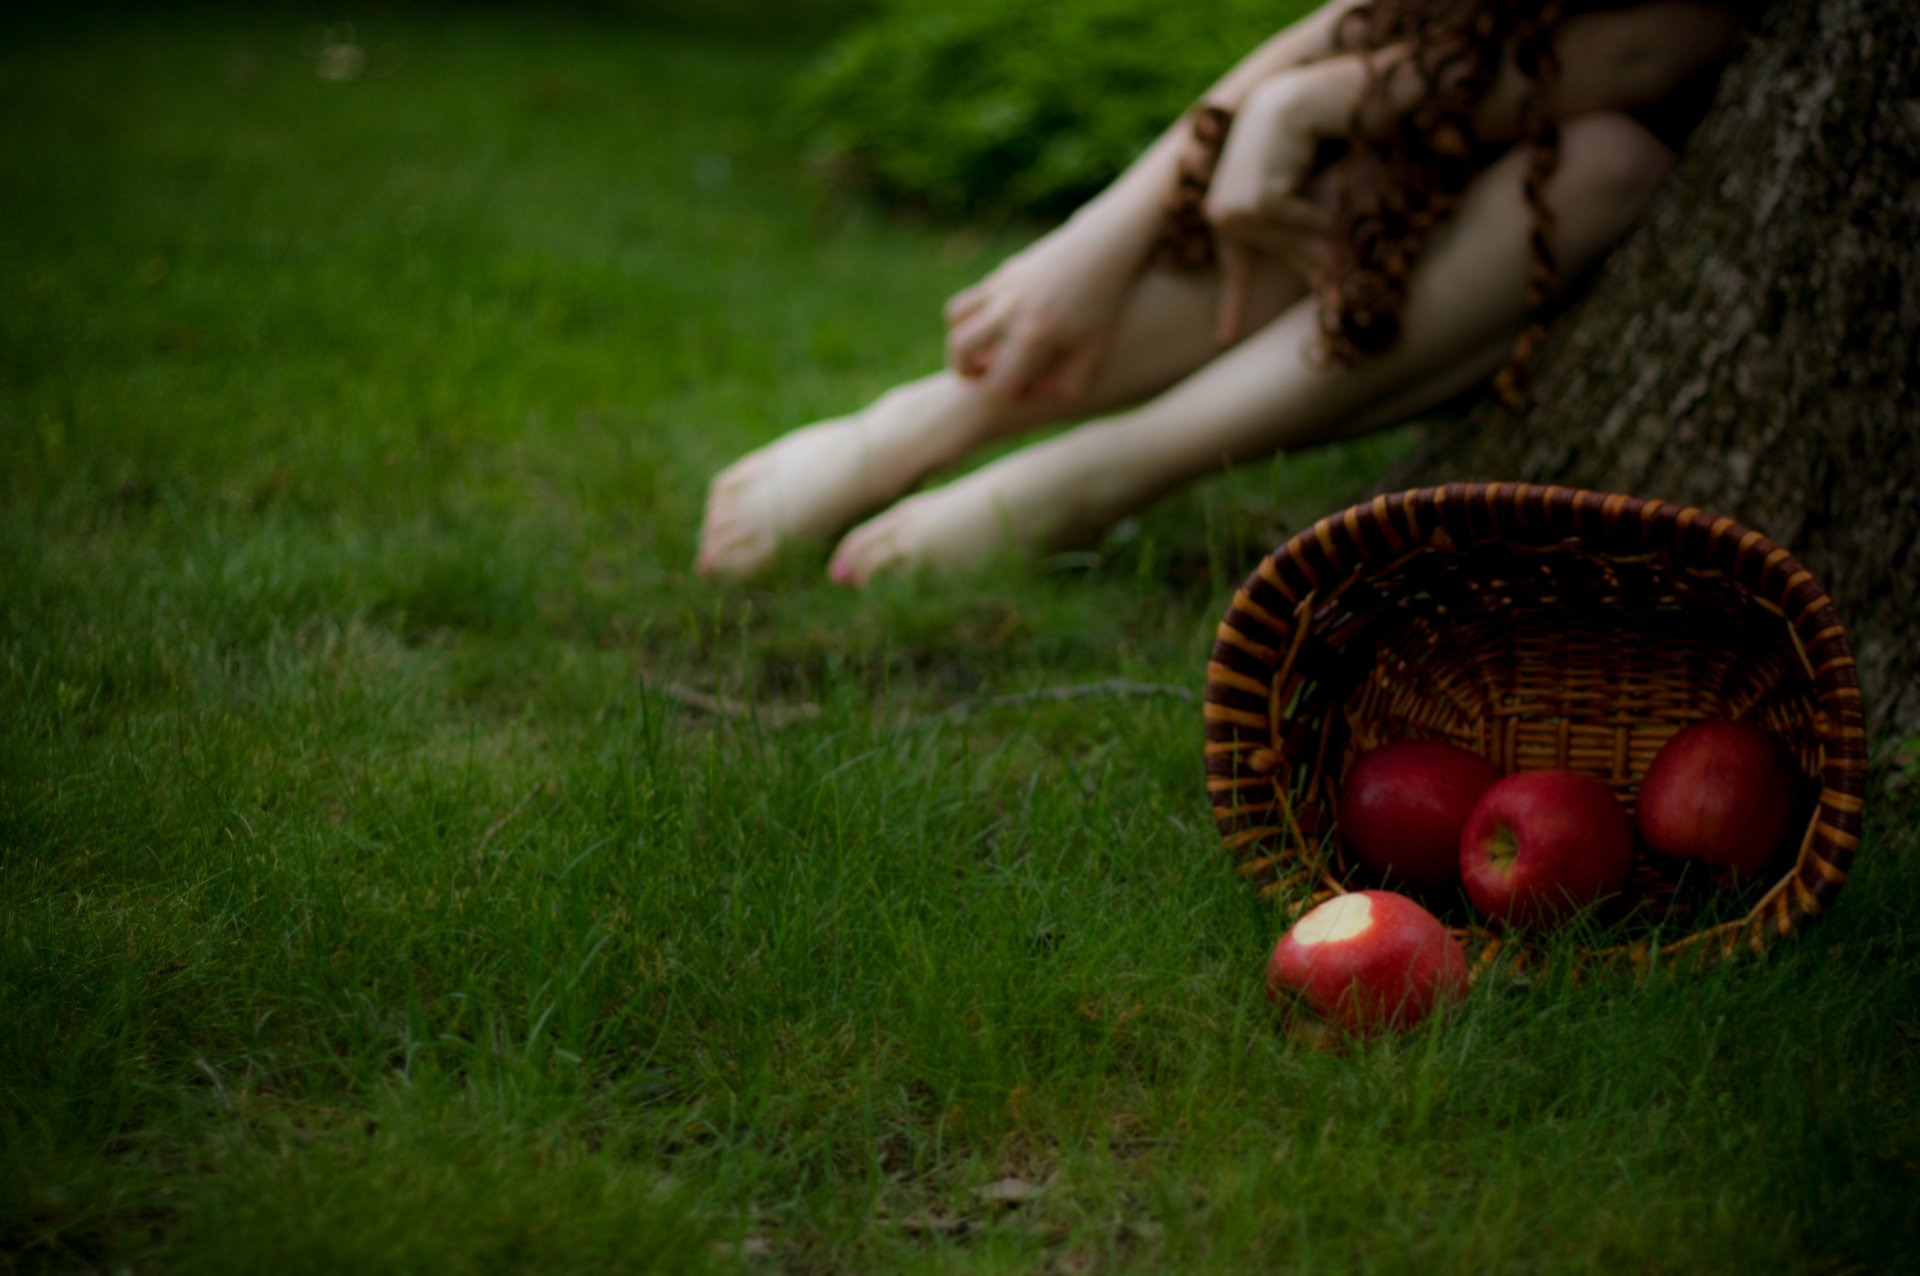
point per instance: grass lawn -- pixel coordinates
(378, 891)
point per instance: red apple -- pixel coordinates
(1722, 793)
(1542, 845)
(1403, 805)
(1368, 961)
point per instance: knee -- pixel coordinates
(1609, 167)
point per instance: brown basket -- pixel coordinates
(1538, 627)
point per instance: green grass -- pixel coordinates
(370, 902)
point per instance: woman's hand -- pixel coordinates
(1038, 325)
(1257, 202)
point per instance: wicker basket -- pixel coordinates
(1539, 627)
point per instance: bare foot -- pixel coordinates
(1026, 501)
(814, 482)
(802, 486)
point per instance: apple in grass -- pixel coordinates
(1542, 845)
(1367, 962)
(1402, 807)
(1722, 793)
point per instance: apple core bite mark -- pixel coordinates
(1339, 918)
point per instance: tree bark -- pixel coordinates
(1752, 347)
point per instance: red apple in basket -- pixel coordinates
(1541, 845)
(1402, 807)
(1368, 961)
(1722, 793)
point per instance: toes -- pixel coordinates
(852, 561)
(731, 546)
(732, 481)
(868, 550)
(804, 487)
(733, 552)
(735, 566)
(844, 568)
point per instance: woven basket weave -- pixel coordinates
(1538, 627)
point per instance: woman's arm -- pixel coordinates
(1139, 195)
(1620, 60)
(1616, 60)
(1037, 325)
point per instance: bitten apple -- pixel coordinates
(1722, 793)
(1541, 845)
(1369, 961)
(1402, 807)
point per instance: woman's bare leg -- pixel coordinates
(818, 480)
(1466, 303)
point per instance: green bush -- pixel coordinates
(774, 19)
(1001, 106)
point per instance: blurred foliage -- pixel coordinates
(801, 23)
(998, 106)
(775, 18)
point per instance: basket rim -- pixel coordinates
(1266, 624)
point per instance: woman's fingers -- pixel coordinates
(978, 360)
(1069, 376)
(1295, 213)
(966, 303)
(1270, 210)
(971, 341)
(1236, 279)
(1022, 357)
(1010, 354)
(1287, 228)
(1265, 237)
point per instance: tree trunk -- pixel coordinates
(1752, 348)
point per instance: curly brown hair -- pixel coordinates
(1403, 173)
(1406, 174)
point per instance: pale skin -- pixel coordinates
(1175, 375)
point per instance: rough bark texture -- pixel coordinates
(1752, 348)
